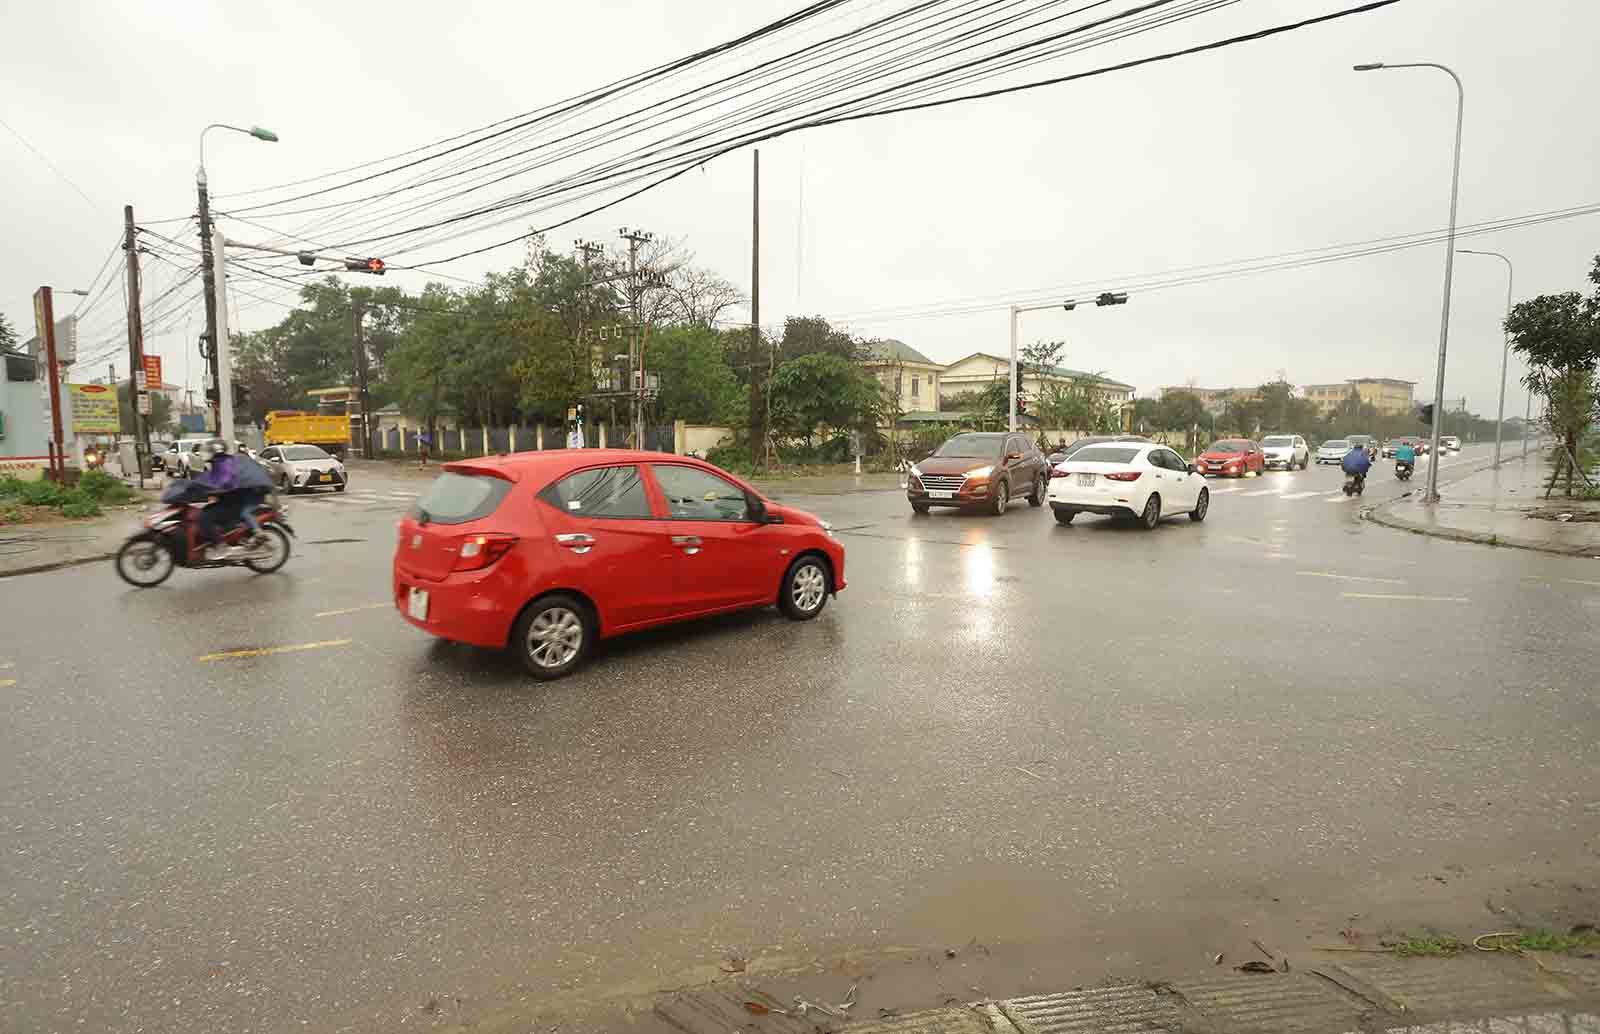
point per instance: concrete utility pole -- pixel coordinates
(210, 276)
(1432, 495)
(141, 438)
(358, 309)
(756, 444)
(219, 344)
(635, 349)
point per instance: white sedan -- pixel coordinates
(1127, 479)
(1332, 452)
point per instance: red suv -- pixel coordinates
(546, 552)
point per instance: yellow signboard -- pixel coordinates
(93, 408)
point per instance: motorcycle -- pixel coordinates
(94, 460)
(1354, 484)
(170, 538)
(1402, 470)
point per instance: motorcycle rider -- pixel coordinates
(240, 485)
(1356, 463)
(1405, 455)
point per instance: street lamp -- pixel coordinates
(1432, 495)
(224, 411)
(1102, 299)
(1505, 352)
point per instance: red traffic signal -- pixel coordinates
(364, 265)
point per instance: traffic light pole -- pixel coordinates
(1103, 299)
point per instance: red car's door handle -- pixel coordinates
(690, 544)
(578, 543)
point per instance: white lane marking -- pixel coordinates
(1579, 581)
(1398, 596)
(1301, 495)
(1264, 491)
(1349, 577)
(1333, 497)
(1225, 491)
(350, 610)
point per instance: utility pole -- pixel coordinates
(141, 439)
(44, 323)
(222, 363)
(635, 348)
(756, 440)
(208, 275)
(358, 309)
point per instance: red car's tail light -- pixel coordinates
(479, 551)
(1125, 475)
(1057, 472)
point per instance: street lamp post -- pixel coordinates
(1102, 299)
(224, 409)
(1432, 495)
(1505, 351)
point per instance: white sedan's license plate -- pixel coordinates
(1086, 480)
(941, 493)
(417, 604)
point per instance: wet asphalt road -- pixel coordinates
(1004, 729)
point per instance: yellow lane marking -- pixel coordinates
(1390, 596)
(1579, 581)
(1350, 577)
(7, 682)
(265, 650)
(350, 610)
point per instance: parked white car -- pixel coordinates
(1332, 452)
(182, 458)
(1127, 479)
(1285, 450)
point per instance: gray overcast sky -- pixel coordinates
(1259, 149)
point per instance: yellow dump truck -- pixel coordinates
(330, 431)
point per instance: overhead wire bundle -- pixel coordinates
(582, 154)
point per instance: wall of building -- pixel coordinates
(26, 417)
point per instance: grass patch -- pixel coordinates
(1426, 947)
(1582, 941)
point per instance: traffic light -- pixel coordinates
(364, 265)
(1425, 413)
(241, 396)
(1112, 298)
(1022, 402)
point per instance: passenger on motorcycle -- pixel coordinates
(240, 486)
(1405, 455)
(1356, 463)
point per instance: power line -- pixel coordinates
(52, 165)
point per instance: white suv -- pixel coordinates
(182, 458)
(1285, 450)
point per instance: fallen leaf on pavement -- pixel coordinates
(1216, 960)
(733, 964)
(757, 1008)
(1255, 966)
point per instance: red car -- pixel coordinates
(546, 552)
(1234, 457)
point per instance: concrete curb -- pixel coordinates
(1482, 538)
(1383, 516)
(55, 565)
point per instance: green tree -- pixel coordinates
(827, 393)
(1559, 336)
(810, 335)
(8, 334)
(159, 419)
(697, 383)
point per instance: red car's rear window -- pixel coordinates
(456, 498)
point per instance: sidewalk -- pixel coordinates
(1482, 992)
(45, 546)
(1500, 508)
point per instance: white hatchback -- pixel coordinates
(1127, 479)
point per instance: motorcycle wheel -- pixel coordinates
(144, 562)
(274, 555)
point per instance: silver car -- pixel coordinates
(1333, 452)
(296, 467)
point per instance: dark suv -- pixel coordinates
(980, 468)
